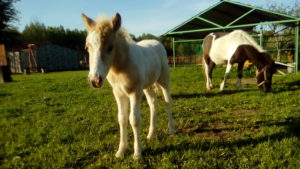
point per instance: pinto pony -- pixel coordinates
(236, 47)
(131, 69)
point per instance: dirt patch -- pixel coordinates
(221, 132)
(227, 130)
(243, 112)
(245, 81)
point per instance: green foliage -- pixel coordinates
(146, 36)
(38, 33)
(57, 120)
(8, 14)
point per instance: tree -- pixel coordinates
(35, 32)
(279, 34)
(8, 14)
(146, 36)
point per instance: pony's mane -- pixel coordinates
(252, 41)
(103, 20)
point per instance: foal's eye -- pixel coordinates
(110, 48)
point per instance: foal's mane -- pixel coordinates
(104, 23)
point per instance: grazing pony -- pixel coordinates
(236, 47)
(131, 69)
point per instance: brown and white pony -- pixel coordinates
(131, 69)
(236, 47)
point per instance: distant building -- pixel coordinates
(43, 57)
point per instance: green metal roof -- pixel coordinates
(228, 15)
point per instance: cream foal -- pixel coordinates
(131, 69)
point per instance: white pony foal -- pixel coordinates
(131, 69)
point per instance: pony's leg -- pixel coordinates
(228, 68)
(211, 67)
(208, 68)
(122, 102)
(240, 74)
(135, 121)
(151, 99)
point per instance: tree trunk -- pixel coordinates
(5, 74)
(278, 55)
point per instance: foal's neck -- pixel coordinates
(120, 54)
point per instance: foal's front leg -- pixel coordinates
(135, 121)
(151, 99)
(122, 102)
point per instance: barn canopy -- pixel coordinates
(229, 15)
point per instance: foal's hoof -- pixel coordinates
(137, 156)
(150, 136)
(119, 155)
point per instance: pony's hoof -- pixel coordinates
(172, 131)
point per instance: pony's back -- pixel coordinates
(223, 47)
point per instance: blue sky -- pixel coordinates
(138, 16)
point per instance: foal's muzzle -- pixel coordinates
(96, 82)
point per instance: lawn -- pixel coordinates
(57, 120)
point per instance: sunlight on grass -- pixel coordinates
(57, 120)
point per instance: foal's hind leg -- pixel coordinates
(167, 96)
(151, 99)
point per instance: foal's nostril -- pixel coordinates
(100, 80)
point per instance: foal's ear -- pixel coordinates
(116, 22)
(89, 23)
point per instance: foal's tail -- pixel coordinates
(155, 88)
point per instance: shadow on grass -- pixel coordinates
(292, 129)
(284, 87)
(5, 94)
(87, 159)
(209, 94)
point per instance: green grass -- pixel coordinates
(57, 120)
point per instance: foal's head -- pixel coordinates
(100, 43)
(264, 77)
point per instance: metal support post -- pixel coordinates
(296, 54)
(174, 53)
(261, 36)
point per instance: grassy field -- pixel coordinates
(56, 120)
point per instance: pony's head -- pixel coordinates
(100, 43)
(264, 77)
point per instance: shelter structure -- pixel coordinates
(228, 15)
(42, 57)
